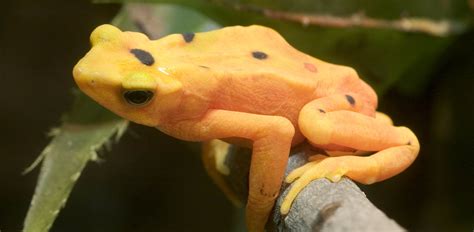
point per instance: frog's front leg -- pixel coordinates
(335, 120)
(272, 137)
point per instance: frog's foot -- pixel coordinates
(301, 170)
(366, 169)
(319, 167)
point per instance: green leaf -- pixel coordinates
(86, 128)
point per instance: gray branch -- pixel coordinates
(321, 206)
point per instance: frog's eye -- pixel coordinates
(138, 97)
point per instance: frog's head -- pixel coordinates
(121, 73)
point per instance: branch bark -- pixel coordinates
(321, 206)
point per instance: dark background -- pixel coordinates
(151, 182)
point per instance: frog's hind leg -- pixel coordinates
(335, 120)
(379, 116)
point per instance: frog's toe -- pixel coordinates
(298, 172)
(335, 177)
(323, 168)
(297, 186)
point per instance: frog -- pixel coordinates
(248, 86)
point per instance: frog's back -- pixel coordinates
(242, 51)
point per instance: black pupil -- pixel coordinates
(138, 97)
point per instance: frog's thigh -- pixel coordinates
(380, 117)
(335, 120)
(322, 123)
(271, 136)
(383, 118)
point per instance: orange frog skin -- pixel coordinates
(248, 83)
